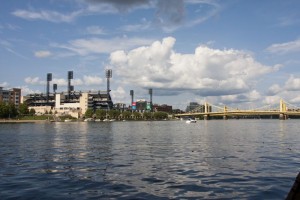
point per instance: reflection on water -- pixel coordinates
(232, 159)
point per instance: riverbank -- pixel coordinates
(2, 121)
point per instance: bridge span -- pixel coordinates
(284, 111)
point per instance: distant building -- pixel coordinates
(141, 105)
(192, 106)
(10, 96)
(162, 108)
(196, 107)
(177, 111)
(120, 107)
(74, 104)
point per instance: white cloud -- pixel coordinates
(4, 84)
(171, 16)
(95, 30)
(292, 84)
(284, 48)
(42, 54)
(98, 46)
(51, 16)
(15, 53)
(34, 81)
(117, 6)
(271, 100)
(85, 81)
(274, 89)
(92, 80)
(119, 95)
(207, 72)
(251, 96)
(295, 100)
(26, 90)
(167, 15)
(136, 27)
(60, 81)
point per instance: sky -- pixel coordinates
(238, 53)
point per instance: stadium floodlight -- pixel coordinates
(70, 74)
(108, 73)
(49, 77)
(54, 87)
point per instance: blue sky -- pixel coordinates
(234, 52)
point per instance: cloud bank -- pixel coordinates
(168, 15)
(85, 81)
(207, 72)
(284, 48)
(98, 46)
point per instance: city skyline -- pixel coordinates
(230, 52)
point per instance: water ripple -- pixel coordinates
(149, 160)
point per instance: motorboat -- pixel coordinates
(190, 121)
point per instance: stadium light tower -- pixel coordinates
(150, 93)
(54, 88)
(131, 94)
(108, 74)
(70, 76)
(49, 78)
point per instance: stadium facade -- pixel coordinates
(72, 102)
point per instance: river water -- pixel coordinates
(217, 159)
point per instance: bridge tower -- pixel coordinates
(206, 111)
(282, 109)
(225, 111)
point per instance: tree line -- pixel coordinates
(9, 110)
(115, 114)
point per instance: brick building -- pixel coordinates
(10, 96)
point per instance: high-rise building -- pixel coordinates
(196, 107)
(12, 95)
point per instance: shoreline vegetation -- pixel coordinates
(22, 121)
(71, 120)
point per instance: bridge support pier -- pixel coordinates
(282, 116)
(225, 117)
(206, 117)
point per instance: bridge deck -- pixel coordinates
(239, 113)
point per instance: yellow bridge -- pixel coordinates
(206, 111)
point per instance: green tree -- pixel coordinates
(100, 114)
(126, 114)
(160, 115)
(3, 111)
(8, 110)
(32, 111)
(136, 115)
(23, 109)
(147, 115)
(114, 114)
(89, 113)
(13, 111)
